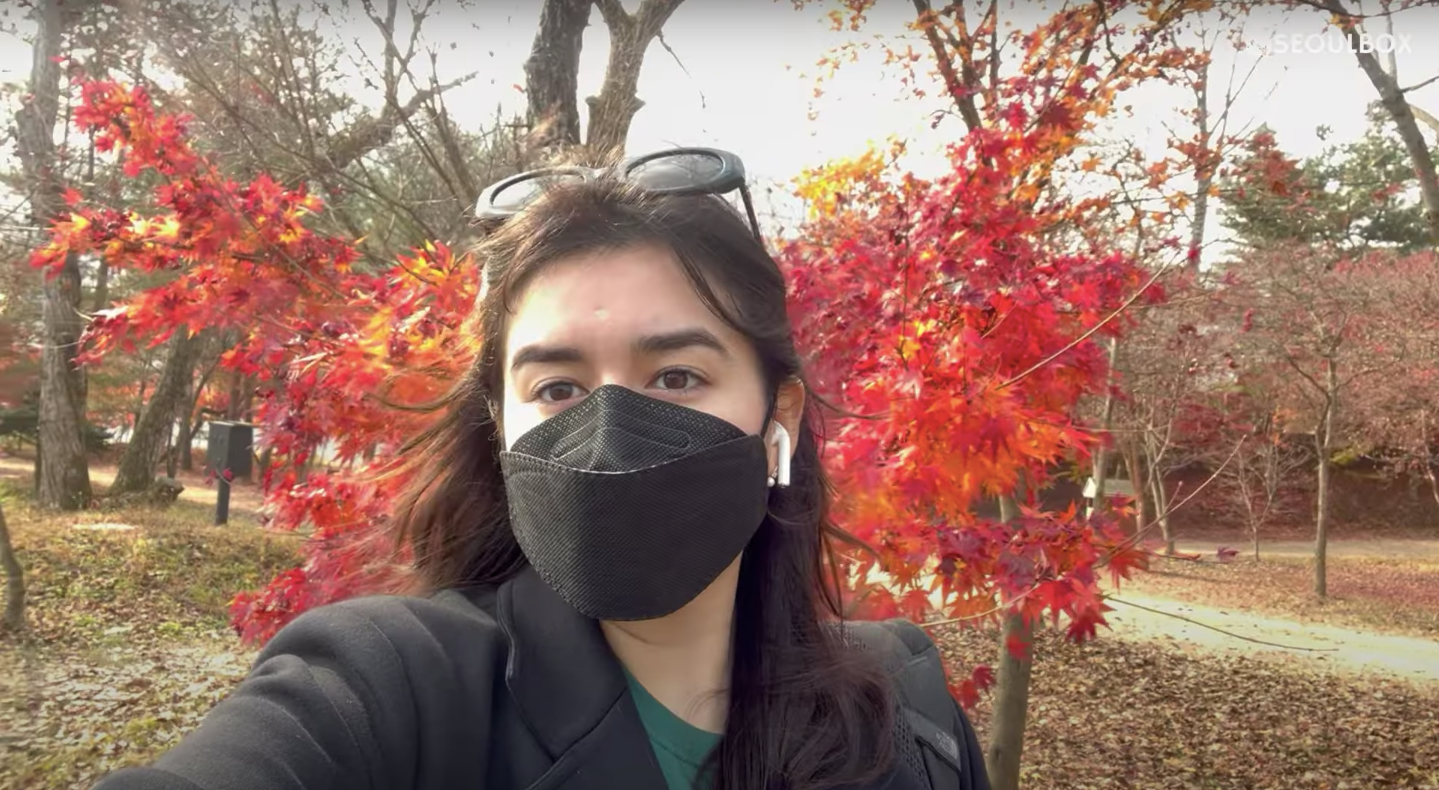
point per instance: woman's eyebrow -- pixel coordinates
(664, 342)
(537, 354)
(678, 340)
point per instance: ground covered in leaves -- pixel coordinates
(128, 641)
(1386, 594)
(129, 647)
(1116, 714)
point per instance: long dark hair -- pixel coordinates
(805, 712)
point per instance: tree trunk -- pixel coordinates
(137, 464)
(1254, 528)
(614, 109)
(188, 422)
(64, 480)
(101, 298)
(1136, 481)
(1161, 511)
(1011, 691)
(1204, 171)
(1254, 534)
(139, 410)
(236, 405)
(187, 442)
(1391, 96)
(1324, 441)
(1321, 523)
(1101, 456)
(552, 78)
(14, 580)
(170, 447)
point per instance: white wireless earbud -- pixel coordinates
(779, 437)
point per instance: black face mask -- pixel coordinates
(629, 506)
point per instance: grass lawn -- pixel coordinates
(129, 647)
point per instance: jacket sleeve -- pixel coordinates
(328, 704)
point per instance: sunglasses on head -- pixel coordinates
(678, 171)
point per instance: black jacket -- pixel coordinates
(506, 690)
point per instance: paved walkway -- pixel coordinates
(1336, 648)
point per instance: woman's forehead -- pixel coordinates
(608, 295)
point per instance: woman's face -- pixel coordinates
(628, 317)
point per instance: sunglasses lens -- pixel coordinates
(676, 172)
(519, 194)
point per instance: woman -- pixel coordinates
(621, 520)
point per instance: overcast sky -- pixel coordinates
(746, 82)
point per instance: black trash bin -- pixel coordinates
(227, 457)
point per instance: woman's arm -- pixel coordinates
(328, 704)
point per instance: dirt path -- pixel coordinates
(242, 497)
(1367, 548)
(1147, 618)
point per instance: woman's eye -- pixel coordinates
(557, 392)
(677, 380)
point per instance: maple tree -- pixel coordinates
(341, 347)
(1169, 369)
(1319, 329)
(955, 316)
(1260, 476)
(1399, 424)
(1331, 293)
(983, 290)
(981, 311)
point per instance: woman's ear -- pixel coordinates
(783, 434)
(789, 409)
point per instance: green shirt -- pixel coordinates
(679, 747)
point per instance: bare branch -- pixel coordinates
(660, 36)
(959, 91)
(1420, 85)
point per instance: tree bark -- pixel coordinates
(189, 423)
(612, 112)
(1101, 456)
(1130, 451)
(1391, 96)
(139, 410)
(1203, 173)
(235, 407)
(1160, 497)
(64, 474)
(101, 298)
(14, 580)
(1011, 691)
(552, 82)
(147, 444)
(1324, 443)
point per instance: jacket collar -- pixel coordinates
(572, 693)
(561, 671)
